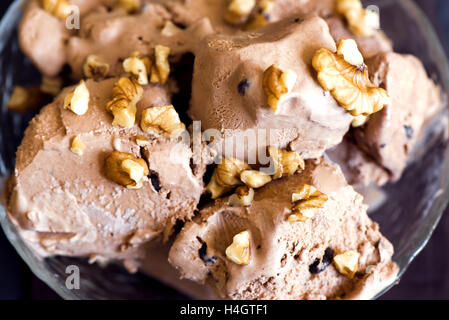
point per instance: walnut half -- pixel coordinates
(348, 83)
(347, 263)
(285, 162)
(78, 100)
(239, 251)
(125, 169)
(226, 176)
(362, 22)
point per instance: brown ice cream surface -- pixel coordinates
(390, 135)
(281, 253)
(63, 203)
(308, 120)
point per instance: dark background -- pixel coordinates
(426, 278)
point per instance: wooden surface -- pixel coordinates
(427, 277)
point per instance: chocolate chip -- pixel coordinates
(155, 181)
(203, 252)
(267, 17)
(383, 145)
(243, 86)
(297, 20)
(409, 132)
(318, 265)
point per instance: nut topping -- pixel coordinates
(239, 10)
(349, 84)
(239, 251)
(78, 100)
(170, 29)
(276, 84)
(95, 69)
(261, 18)
(135, 65)
(125, 169)
(306, 200)
(125, 95)
(243, 197)
(254, 178)
(361, 22)
(58, 8)
(162, 120)
(160, 70)
(131, 6)
(285, 162)
(226, 176)
(77, 146)
(347, 263)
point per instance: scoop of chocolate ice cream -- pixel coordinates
(65, 203)
(287, 261)
(391, 134)
(228, 92)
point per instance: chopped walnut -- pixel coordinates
(349, 84)
(305, 201)
(226, 176)
(261, 18)
(239, 251)
(95, 69)
(160, 70)
(125, 95)
(276, 84)
(125, 169)
(170, 29)
(78, 100)
(362, 22)
(347, 263)
(242, 197)
(131, 6)
(162, 120)
(77, 146)
(285, 162)
(58, 8)
(135, 65)
(255, 179)
(239, 11)
(24, 99)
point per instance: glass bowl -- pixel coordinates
(408, 217)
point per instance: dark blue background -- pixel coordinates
(427, 277)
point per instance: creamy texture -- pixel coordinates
(281, 253)
(391, 134)
(308, 120)
(63, 203)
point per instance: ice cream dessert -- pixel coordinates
(287, 258)
(302, 104)
(84, 187)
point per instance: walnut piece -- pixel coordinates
(285, 162)
(77, 146)
(277, 83)
(261, 18)
(24, 99)
(359, 121)
(131, 6)
(135, 65)
(254, 178)
(226, 176)
(160, 70)
(58, 8)
(239, 251)
(162, 120)
(170, 29)
(349, 84)
(125, 95)
(347, 263)
(305, 201)
(238, 11)
(78, 100)
(242, 197)
(95, 69)
(361, 22)
(125, 169)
